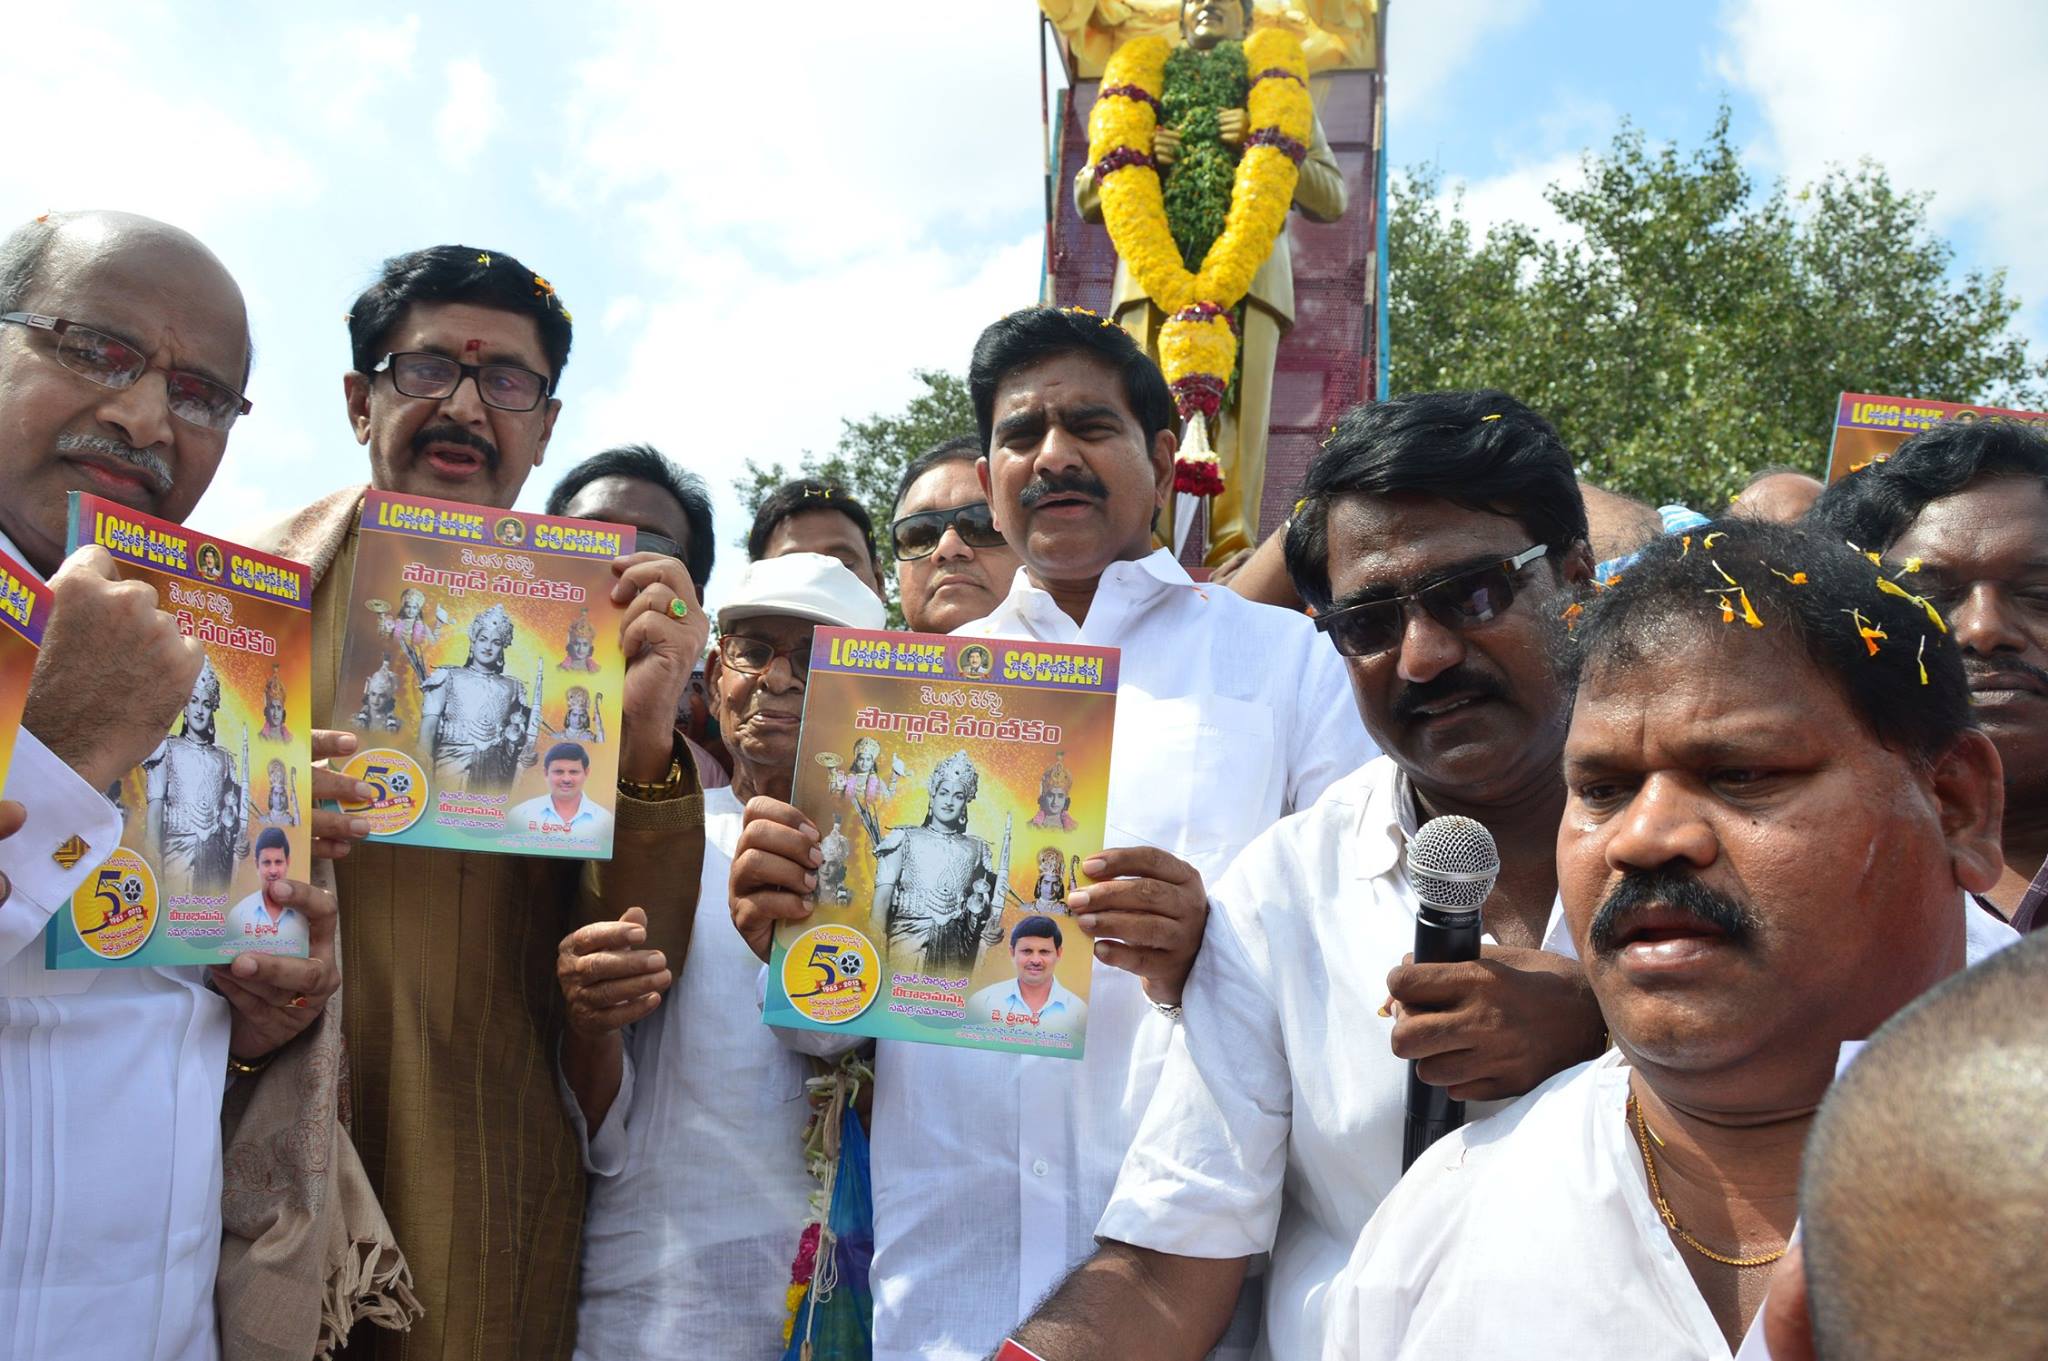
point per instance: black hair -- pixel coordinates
(1800, 584)
(273, 839)
(1036, 334)
(1037, 926)
(567, 751)
(960, 449)
(1482, 450)
(1875, 505)
(645, 463)
(805, 494)
(443, 274)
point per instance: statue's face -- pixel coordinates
(1208, 22)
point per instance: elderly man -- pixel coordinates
(1922, 1200)
(809, 516)
(1439, 535)
(1229, 716)
(1776, 804)
(952, 564)
(1968, 502)
(696, 1114)
(1779, 493)
(123, 343)
(457, 354)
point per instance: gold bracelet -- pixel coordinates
(248, 1067)
(666, 788)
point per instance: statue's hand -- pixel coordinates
(1231, 125)
(1166, 146)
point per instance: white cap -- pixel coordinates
(803, 586)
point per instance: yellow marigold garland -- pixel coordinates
(1197, 345)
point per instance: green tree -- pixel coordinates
(1685, 329)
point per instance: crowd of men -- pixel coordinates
(1751, 1068)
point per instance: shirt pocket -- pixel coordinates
(1190, 775)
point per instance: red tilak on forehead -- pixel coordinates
(473, 346)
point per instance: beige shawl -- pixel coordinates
(306, 1252)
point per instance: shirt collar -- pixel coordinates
(1124, 587)
(1386, 819)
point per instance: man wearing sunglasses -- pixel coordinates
(456, 356)
(952, 564)
(123, 346)
(1439, 538)
(695, 1120)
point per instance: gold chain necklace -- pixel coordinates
(1642, 1133)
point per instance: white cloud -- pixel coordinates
(469, 114)
(351, 65)
(1431, 41)
(1946, 99)
(1517, 195)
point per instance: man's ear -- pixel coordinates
(1165, 445)
(355, 390)
(1788, 1326)
(988, 492)
(1576, 566)
(547, 430)
(1969, 783)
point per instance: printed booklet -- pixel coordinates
(957, 784)
(220, 809)
(24, 610)
(481, 673)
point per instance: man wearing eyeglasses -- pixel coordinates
(123, 345)
(456, 357)
(1439, 538)
(952, 564)
(695, 1121)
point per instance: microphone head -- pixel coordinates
(1452, 863)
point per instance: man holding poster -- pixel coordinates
(1229, 716)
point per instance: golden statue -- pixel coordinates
(1319, 193)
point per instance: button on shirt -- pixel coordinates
(110, 1092)
(1278, 1123)
(990, 1170)
(698, 1189)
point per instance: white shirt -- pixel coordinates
(1529, 1234)
(1062, 1012)
(251, 927)
(1532, 1233)
(698, 1190)
(1278, 1123)
(989, 1169)
(110, 1091)
(540, 815)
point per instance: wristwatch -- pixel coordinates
(1170, 1010)
(667, 788)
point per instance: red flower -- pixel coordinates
(806, 1257)
(1197, 477)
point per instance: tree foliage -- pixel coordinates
(1685, 330)
(870, 457)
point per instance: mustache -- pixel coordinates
(450, 433)
(1459, 680)
(1641, 889)
(1058, 484)
(1973, 670)
(142, 460)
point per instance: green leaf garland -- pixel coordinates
(1198, 185)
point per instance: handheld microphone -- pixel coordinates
(1452, 864)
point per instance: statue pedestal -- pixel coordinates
(1330, 359)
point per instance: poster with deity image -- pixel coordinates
(957, 784)
(482, 676)
(220, 809)
(24, 611)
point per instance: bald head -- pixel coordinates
(1617, 524)
(139, 284)
(1781, 495)
(1923, 1195)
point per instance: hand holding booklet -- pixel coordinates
(956, 784)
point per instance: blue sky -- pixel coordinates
(763, 225)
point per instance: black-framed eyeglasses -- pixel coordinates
(647, 541)
(508, 387)
(1457, 602)
(114, 363)
(917, 536)
(752, 656)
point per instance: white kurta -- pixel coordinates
(1277, 1125)
(110, 1092)
(991, 1170)
(698, 1189)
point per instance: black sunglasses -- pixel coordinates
(1457, 602)
(917, 536)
